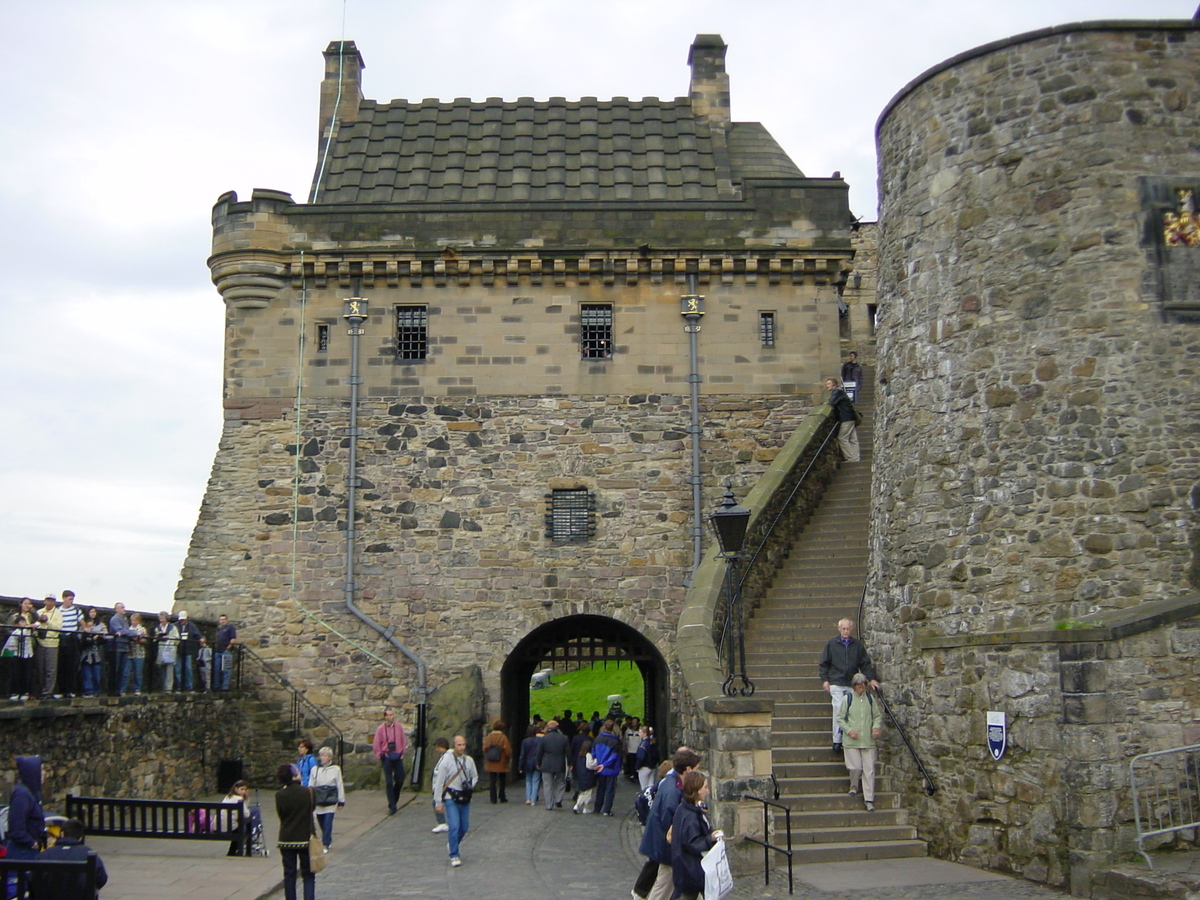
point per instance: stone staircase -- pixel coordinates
(820, 583)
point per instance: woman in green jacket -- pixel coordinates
(861, 721)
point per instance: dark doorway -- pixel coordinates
(584, 639)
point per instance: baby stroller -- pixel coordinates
(258, 838)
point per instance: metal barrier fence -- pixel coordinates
(1166, 793)
(766, 844)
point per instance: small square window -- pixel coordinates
(766, 328)
(596, 330)
(412, 332)
(570, 515)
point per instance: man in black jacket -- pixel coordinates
(844, 657)
(68, 885)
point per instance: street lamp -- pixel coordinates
(729, 522)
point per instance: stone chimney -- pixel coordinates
(343, 56)
(710, 85)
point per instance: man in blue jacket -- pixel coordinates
(607, 751)
(655, 881)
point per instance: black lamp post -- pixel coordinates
(729, 522)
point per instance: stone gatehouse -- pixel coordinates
(509, 412)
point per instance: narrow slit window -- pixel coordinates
(570, 515)
(596, 330)
(766, 328)
(412, 332)
(322, 338)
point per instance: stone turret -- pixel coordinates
(709, 87)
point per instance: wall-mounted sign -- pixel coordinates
(997, 734)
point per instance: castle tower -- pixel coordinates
(1035, 533)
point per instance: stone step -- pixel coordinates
(838, 818)
(867, 831)
(847, 852)
(836, 801)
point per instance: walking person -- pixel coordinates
(554, 761)
(852, 376)
(497, 753)
(585, 767)
(527, 763)
(454, 780)
(843, 657)
(440, 747)
(861, 720)
(691, 837)
(607, 750)
(646, 758)
(306, 761)
(655, 881)
(390, 744)
(294, 806)
(322, 779)
(847, 417)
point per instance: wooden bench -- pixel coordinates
(192, 820)
(49, 877)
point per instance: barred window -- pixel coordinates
(570, 515)
(322, 338)
(766, 328)
(412, 332)
(596, 330)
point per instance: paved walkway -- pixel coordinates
(512, 851)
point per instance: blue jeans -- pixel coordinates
(294, 858)
(224, 664)
(89, 674)
(458, 817)
(183, 673)
(393, 779)
(606, 791)
(326, 820)
(120, 669)
(440, 817)
(135, 673)
(533, 781)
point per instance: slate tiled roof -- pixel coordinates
(550, 150)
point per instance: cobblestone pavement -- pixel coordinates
(516, 851)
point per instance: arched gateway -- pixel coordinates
(584, 639)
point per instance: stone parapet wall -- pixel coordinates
(1036, 454)
(451, 533)
(162, 748)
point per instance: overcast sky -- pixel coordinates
(126, 119)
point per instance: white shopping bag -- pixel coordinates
(718, 880)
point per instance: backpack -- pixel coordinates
(494, 753)
(642, 803)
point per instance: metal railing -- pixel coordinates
(930, 787)
(1166, 793)
(766, 844)
(746, 570)
(300, 706)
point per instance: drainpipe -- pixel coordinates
(692, 309)
(355, 312)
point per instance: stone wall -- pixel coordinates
(1036, 456)
(162, 748)
(451, 530)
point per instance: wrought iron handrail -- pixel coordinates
(767, 845)
(298, 700)
(930, 787)
(752, 558)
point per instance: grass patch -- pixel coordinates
(588, 688)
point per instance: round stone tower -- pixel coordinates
(1037, 451)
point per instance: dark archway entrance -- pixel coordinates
(584, 639)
